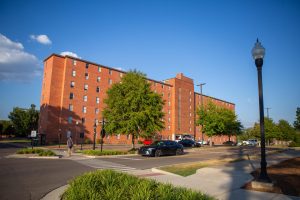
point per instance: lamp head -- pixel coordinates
(258, 51)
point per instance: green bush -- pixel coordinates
(103, 153)
(294, 144)
(111, 185)
(40, 152)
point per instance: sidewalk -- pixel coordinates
(222, 182)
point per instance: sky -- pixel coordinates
(209, 41)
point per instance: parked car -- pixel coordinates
(160, 148)
(250, 142)
(189, 143)
(200, 142)
(229, 143)
(147, 141)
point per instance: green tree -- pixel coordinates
(297, 121)
(286, 131)
(7, 127)
(271, 130)
(132, 108)
(218, 121)
(24, 120)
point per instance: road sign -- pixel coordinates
(33, 134)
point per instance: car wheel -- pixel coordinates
(179, 151)
(157, 153)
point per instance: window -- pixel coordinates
(118, 136)
(86, 87)
(109, 81)
(70, 120)
(169, 127)
(86, 65)
(84, 109)
(97, 100)
(71, 95)
(74, 73)
(110, 72)
(86, 76)
(169, 119)
(162, 86)
(169, 111)
(190, 100)
(121, 75)
(169, 95)
(85, 98)
(72, 84)
(97, 111)
(83, 120)
(99, 69)
(70, 107)
(97, 89)
(169, 103)
(74, 62)
(98, 79)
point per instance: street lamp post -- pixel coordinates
(258, 53)
(102, 133)
(201, 84)
(76, 124)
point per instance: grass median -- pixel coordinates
(109, 184)
(187, 169)
(40, 152)
(104, 152)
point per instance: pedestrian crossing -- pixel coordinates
(102, 164)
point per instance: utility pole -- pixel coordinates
(268, 112)
(201, 84)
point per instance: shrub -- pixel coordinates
(40, 152)
(104, 152)
(108, 184)
(294, 144)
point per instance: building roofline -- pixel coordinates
(93, 63)
(214, 98)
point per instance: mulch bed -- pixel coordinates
(285, 175)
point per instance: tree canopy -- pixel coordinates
(218, 121)
(297, 121)
(132, 108)
(24, 120)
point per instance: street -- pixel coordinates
(23, 178)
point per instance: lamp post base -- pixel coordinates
(261, 185)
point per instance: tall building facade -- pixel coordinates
(72, 97)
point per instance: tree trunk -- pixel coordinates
(210, 141)
(229, 137)
(132, 140)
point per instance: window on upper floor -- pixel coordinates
(73, 73)
(84, 109)
(70, 107)
(97, 89)
(109, 81)
(97, 111)
(86, 87)
(86, 76)
(98, 79)
(99, 69)
(86, 65)
(71, 95)
(72, 84)
(83, 120)
(74, 62)
(97, 100)
(85, 98)
(110, 72)
(121, 75)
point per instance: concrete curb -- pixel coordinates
(164, 172)
(45, 157)
(56, 193)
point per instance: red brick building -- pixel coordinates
(72, 100)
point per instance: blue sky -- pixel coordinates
(209, 41)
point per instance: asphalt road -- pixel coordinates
(142, 162)
(33, 178)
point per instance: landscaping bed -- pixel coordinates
(40, 152)
(285, 175)
(105, 152)
(109, 184)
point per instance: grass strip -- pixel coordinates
(40, 152)
(112, 185)
(103, 153)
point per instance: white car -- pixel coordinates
(250, 142)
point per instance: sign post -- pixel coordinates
(32, 135)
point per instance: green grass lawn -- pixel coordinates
(15, 141)
(104, 152)
(40, 152)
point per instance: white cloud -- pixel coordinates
(43, 39)
(69, 53)
(15, 63)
